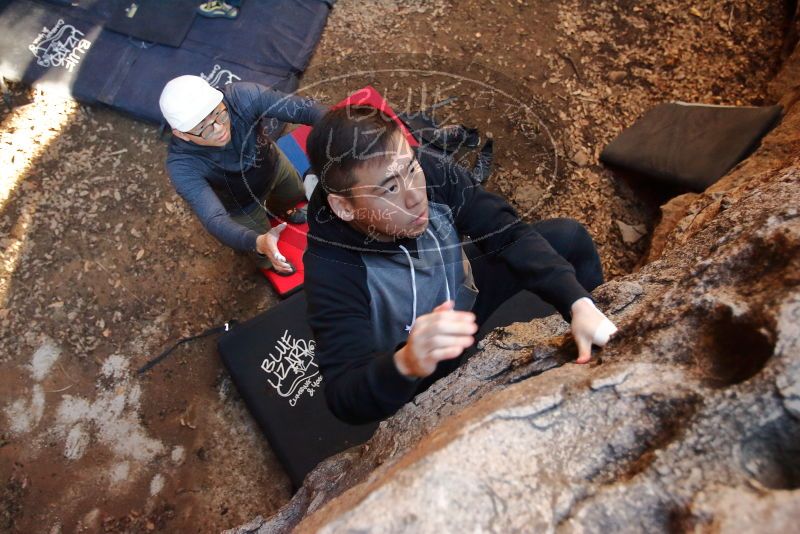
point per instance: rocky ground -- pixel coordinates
(103, 265)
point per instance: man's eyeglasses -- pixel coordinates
(220, 117)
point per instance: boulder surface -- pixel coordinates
(688, 420)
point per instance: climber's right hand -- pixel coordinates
(589, 327)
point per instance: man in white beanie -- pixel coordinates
(223, 163)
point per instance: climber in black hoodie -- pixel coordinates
(392, 299)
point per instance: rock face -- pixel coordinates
(688, 420)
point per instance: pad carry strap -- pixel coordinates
(211, 331)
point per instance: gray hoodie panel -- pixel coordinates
(403, 287)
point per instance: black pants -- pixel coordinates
(498, 285)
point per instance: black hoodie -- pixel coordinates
(363, 296)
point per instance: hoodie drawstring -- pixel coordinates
(439, 249)
(414, 278)
(414, 289)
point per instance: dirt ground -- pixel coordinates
(103, 265)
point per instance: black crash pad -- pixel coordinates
(271, 361)
(690, 146)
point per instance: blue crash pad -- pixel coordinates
(67, 49)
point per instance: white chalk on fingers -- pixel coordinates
(276, 230)
(603, 333)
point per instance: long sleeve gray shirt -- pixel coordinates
(216, 182)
